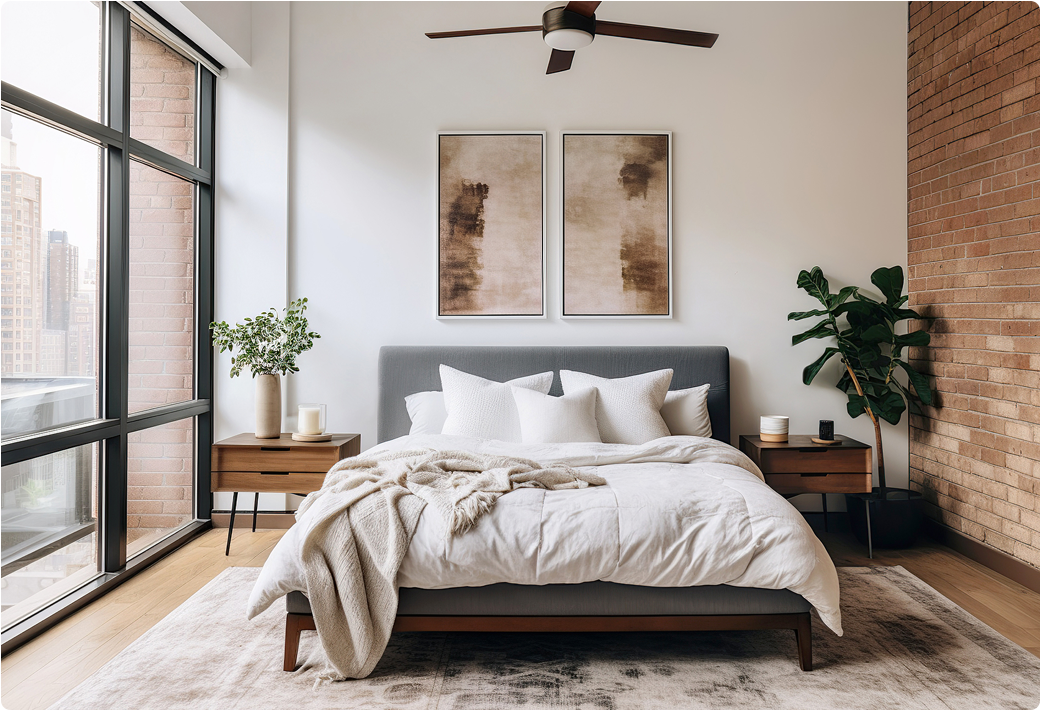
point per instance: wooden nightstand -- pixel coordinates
(245, 463)
(800, 466)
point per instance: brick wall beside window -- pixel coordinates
(974, 255)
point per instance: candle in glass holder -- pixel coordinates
(312, 419)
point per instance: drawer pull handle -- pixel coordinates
(808, 450)
(274, 448)
(274, 473)
(811, 475)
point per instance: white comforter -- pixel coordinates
(677, 511)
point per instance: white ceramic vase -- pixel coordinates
(268, 406)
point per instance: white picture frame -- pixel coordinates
(570, 308)
(444, 282)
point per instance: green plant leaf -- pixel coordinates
(877, 333)
(889, 281)
(843, 295)
(815, 284)
(856, 405)
(802, 315)
(917, 338)
(813, 369)
(858, 307)
(919, 382)
(820, 330)
(890, 408)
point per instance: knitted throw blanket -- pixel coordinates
(359, 525)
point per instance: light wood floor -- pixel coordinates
(40, 672)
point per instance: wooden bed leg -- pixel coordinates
(803, 635)
(292, 641)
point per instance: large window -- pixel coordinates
(105, 295)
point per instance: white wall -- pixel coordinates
(789, 151)
(221, 27)
(252, 165)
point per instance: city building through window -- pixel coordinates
(105, 295)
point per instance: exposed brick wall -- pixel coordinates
(159, 476)
(162, 97)
(973, 114)
(162, 255)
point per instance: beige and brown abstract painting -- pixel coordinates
(616, 216)
(491, 225)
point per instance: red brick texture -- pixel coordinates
(162, 97)
(162, 291)
(159, 481)
(973, 163)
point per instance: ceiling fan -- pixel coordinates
(569, 27)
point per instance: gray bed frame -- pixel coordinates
(591, 606)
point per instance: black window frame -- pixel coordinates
(114, 425)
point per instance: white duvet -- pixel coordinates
(677, 511)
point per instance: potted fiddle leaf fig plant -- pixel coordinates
(268, 346)
(863, 334)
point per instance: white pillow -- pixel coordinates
(545, 419)
(686, 412)
(427, 412)
(628, 409)
(482, 408)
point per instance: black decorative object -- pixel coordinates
(827, 429)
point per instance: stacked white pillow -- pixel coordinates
(545, 419)
(427, 412)
(686, 412)
(625, 410)
(628, 409)
(485, 409)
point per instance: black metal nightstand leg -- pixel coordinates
(870, 540)
(824, 496)
(256, 504)
(231, 523)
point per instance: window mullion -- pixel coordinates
(204, 290)
(117, 295)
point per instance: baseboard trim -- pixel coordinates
(1001, 562)
(269, 520)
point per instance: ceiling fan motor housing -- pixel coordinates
(566, 30)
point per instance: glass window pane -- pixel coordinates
(53, 50)
(162, 97)
(49, 255)
(160, 475)
(162, 290)
(49, 538)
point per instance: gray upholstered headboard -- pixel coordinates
(404, 370)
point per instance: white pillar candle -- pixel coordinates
(310, 420)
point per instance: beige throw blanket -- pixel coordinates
(359, 525)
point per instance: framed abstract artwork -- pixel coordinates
(616, 224)
(491, 225)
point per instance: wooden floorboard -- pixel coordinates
(37, 674)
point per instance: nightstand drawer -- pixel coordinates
(266, 481)
(793, 483)
(815, 460)
(274, 457)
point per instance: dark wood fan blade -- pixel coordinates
(588, 9)
(655, 34)
(493, 31)
(559, 60)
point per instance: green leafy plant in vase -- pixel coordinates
(268, 345)
(863, 333)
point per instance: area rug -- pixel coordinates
(905, 646)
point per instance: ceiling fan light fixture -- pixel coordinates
(568, 39)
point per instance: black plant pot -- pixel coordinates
(895, 517)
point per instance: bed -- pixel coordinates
(761, 596)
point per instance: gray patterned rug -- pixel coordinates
(905, 646)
